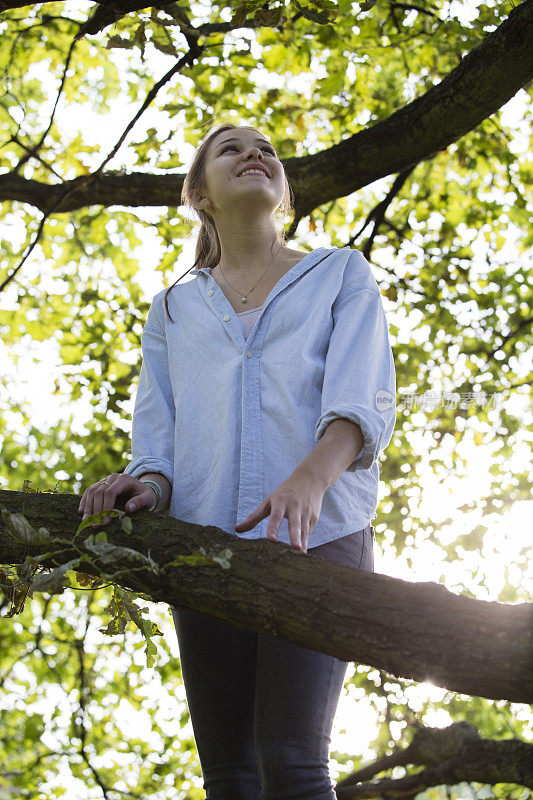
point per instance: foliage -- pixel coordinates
(96, 564)
(451, 257)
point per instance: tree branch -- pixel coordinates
(451, 755)
(34, 150)
(33, 154)
(377, 215)
(67, 188)
(419, 631)
(120, 7)
(110, 12)
(482, 83)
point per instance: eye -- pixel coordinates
(233, 147)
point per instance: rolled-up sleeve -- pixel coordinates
(152, 440)
(359, 377)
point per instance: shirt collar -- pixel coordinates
(316, 252)
(207, 270)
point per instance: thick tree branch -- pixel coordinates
(482, 83)
(451, 755)
(110, 12)
(107, 12)
(6, 5)
(115, 9)
(419, 631)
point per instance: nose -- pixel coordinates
(254, 151)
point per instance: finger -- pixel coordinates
(146, 499)
(254, 517)
(88, 498)
(101, 499)
(305, 535)
(251, 520)
(104, 496)
(247, 523)
(86, 502)
(276, 518)
(87, 507)
(295, 528)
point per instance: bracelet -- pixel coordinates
(157, 489)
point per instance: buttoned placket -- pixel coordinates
(251, 488)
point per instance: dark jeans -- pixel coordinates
(262, 709)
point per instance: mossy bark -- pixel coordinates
(420, 631)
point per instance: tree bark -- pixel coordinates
(419, 631)
(451, 755)
(483, 81)
(116, 9)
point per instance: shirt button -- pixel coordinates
(210, 292)
(249, 353)
(225, 317)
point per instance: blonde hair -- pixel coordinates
(208, 244)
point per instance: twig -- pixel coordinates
(194, 51)
(34, 150)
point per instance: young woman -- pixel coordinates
(267, 391)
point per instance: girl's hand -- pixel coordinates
(102, 495)
(299, 498)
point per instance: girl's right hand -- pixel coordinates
(102, 495)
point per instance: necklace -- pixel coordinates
(244, 296)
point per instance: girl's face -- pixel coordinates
(230, 153)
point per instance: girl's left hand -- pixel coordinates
(299, 498)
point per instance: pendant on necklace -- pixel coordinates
(244, 299)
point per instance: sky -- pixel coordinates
(33, 369)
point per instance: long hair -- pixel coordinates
(208, 244)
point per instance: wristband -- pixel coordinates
(157, 489)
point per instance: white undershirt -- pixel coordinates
(248, 319)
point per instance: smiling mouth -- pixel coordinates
(256, 172)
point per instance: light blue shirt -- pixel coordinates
(227, 419)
